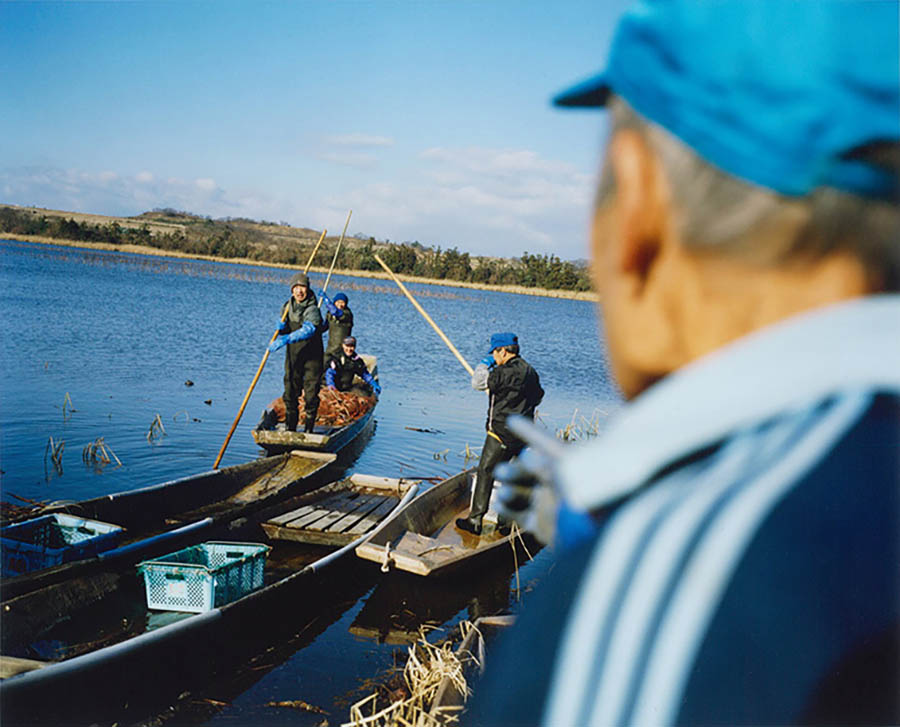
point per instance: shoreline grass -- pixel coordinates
(146, 250)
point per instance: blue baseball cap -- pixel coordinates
(503, 339)
(775, 92)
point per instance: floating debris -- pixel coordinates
(298, 704)
(424, 431)
(188, 383)
(156, 430)
(442, 454)
(99, 453)
(187, 417)
(208, 402)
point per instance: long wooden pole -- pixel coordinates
(334, 259)
(426, 317)
(262, 363)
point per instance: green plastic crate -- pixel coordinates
(204, 576)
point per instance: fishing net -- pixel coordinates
(336, 408)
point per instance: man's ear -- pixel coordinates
(639, 202)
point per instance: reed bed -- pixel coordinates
(426, 667)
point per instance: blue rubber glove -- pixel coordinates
(332, 308)
(281, 325)
(489, 361)
(302, 333)
(370, 380)
(329, 377)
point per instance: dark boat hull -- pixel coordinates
(126, 680)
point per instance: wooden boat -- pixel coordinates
(114, 659)
(333, 430)
(395, 611)
(449, 701)
(426, 541)
(161, 517)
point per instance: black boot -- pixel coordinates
(309, 425)
(469, 525)
(291, 419)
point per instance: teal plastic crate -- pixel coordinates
(53, 539)
(204, 576)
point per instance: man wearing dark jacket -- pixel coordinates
(301, 333)
(338, 323)
(514, 387)
(344, 365)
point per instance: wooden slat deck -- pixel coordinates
(335, 520)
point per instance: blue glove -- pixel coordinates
(376, 388)
(329, 377)
(281, 325)
(302, 333)
(488, 361)
(332, 308)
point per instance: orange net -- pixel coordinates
(336, 408)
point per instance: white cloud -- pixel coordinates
(484, 201)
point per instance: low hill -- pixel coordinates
(278, 243)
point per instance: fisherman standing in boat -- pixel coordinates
(346, 364)
(732, 535)
(301, 333)
(514, 387)
(338, 322)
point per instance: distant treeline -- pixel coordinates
(267, 242)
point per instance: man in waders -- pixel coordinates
(514, 387)
(338, 323)
(301, 333)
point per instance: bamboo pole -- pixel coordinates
(336, 252)
(262, 363)
(426, 317)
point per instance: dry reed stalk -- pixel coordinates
(55, 449)
(427, 666)
(156, 429)
(68, 402)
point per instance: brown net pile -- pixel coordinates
(336, 408)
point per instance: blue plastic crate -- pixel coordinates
(204, 576)
(53, 539)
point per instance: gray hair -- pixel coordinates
(717, 212)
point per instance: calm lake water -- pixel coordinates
(120, 334)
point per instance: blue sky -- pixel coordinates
(431, 120)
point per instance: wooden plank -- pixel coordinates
(349, 519)
(326, 505)
(278, 532)
(370, 520)
(324, 523)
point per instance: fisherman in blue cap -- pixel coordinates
(513, 387)
(734, 533)
(338, 322)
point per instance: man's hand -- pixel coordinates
(279, 342)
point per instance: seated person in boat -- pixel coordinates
(514, 387)
(302, 336)
(344, 365)
(338, 322)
